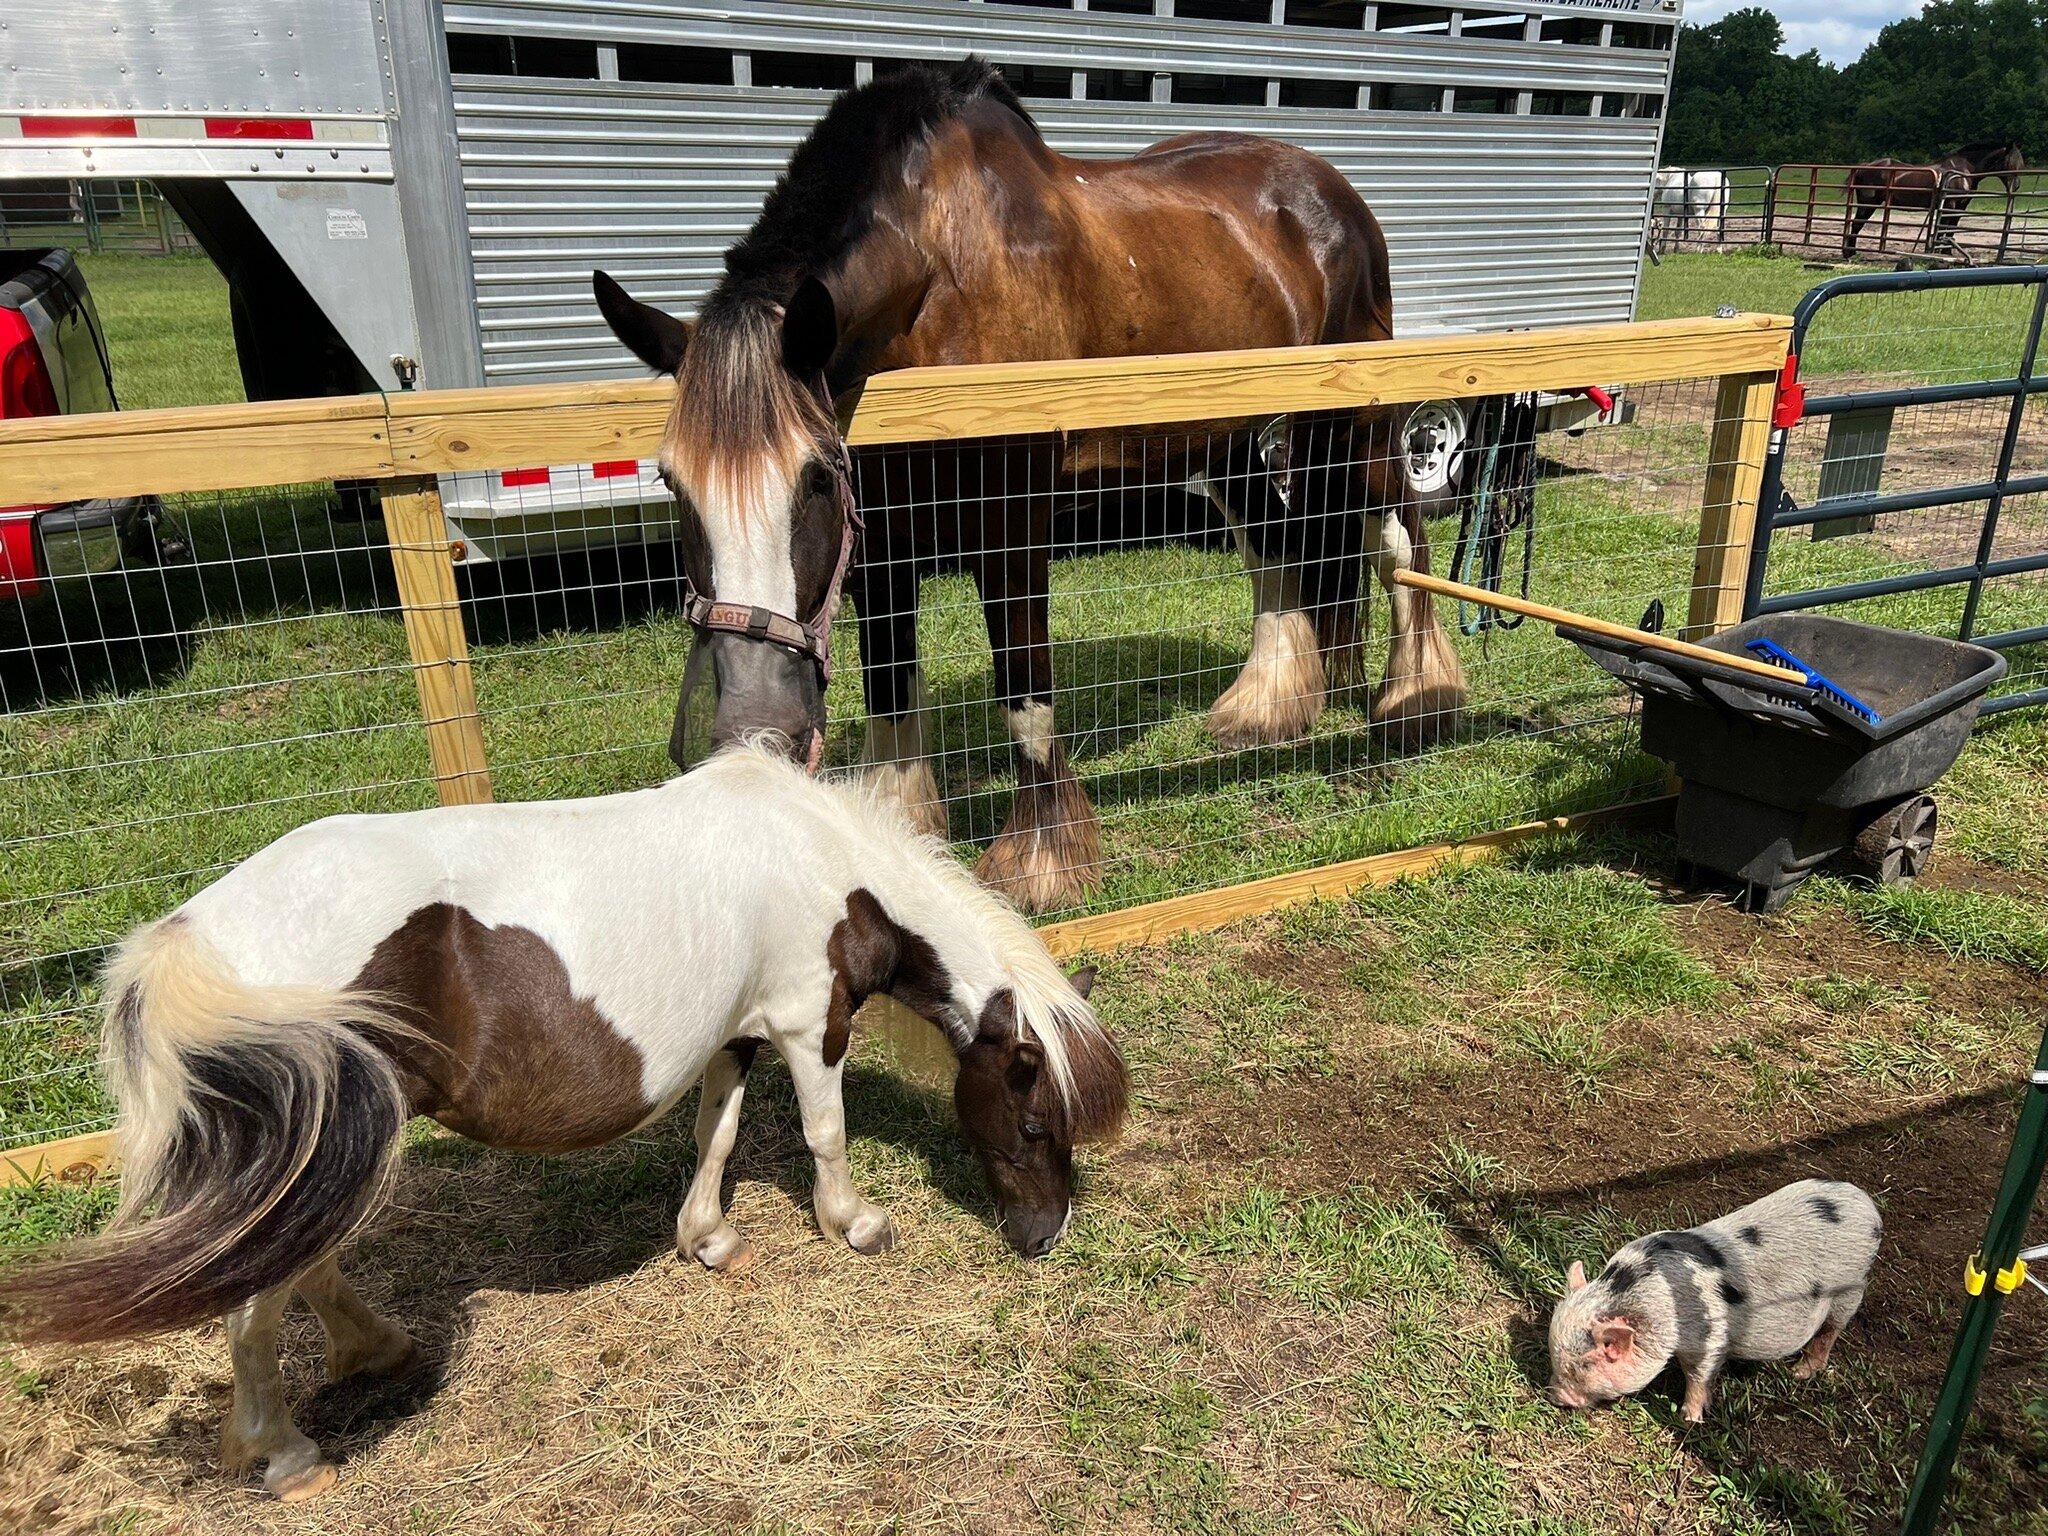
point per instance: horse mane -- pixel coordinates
(743, 426)
(824, 201)
(1087, 1069)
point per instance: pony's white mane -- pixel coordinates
(958, 911)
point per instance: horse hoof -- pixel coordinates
(725, 1252)
(389, 1358)
(1034, 880)
(306, 1483)
(871, 1240)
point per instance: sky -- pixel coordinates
(1838, 28)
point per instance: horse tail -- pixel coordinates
(258, 1131)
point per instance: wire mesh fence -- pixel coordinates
(1952, 454)
(258, 661)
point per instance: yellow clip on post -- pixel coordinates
(2007, 1280)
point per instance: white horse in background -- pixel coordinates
(1690, 205)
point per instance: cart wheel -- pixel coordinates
(1894, 848)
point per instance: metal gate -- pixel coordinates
(1907, 477)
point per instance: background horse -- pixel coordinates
(926, 221)
(1690, 205)
(545, 977)
(1945, 187)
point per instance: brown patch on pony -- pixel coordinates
(513, 1057)
(1049, 855)
(1092, 1112)
(870, 952)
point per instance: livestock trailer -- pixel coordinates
(408, 193)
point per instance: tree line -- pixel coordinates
(1960, 71)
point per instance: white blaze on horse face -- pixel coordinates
(746, 509)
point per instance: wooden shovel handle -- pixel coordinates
(1593, 626)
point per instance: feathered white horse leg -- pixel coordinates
(898, 764)
(702, 1231)
(842, 1213)
(259, 1426)
(358, 1339)
(1280, 693)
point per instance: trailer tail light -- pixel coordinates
(615, 469)
(259, 128)
(514, 478)
(77, 127)
(25, 387)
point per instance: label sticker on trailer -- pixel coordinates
(347, 224)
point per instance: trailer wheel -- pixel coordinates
(1434, 454)
(1894, 847)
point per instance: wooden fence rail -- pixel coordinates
(402, 442)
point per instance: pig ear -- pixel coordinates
(1575, 1277)
(1616, 1338)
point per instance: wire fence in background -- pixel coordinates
(1852, 213)
(263, 657)
(97, 215)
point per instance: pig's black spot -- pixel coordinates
(1826, 1210)
(1816, 1290)
(1696, 1246)
(1752, 1236)
(1619, 1277)
(1734, 1294)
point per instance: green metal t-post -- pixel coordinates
(2002, 1241)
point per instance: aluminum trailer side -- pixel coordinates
(414, 192)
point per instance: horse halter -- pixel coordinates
(813, 638)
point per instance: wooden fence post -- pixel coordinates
(425, 567)
(1735, 472)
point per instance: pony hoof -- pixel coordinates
(306, 1483)
(388, 1358)
(725, 1252)
(871, 1237)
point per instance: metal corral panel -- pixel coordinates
(1495, 218)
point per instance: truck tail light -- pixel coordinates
(25, 388)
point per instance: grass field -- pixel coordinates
(1305, 1292)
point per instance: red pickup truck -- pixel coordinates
(53, 361)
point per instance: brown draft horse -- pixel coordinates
(925, 221)
(1946, 187)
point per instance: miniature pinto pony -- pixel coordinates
(544, 977)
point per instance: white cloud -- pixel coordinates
(1840, 29)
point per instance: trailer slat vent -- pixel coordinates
(1219, 90)
(1332, 94)
(547, 58)
(803, 71)
(1119, 85)
(668, 64)
(1039, 80)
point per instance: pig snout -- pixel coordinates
(1565, 1397)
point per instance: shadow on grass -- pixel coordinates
(468, 1219)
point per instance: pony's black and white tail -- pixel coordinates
(257, 1132)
